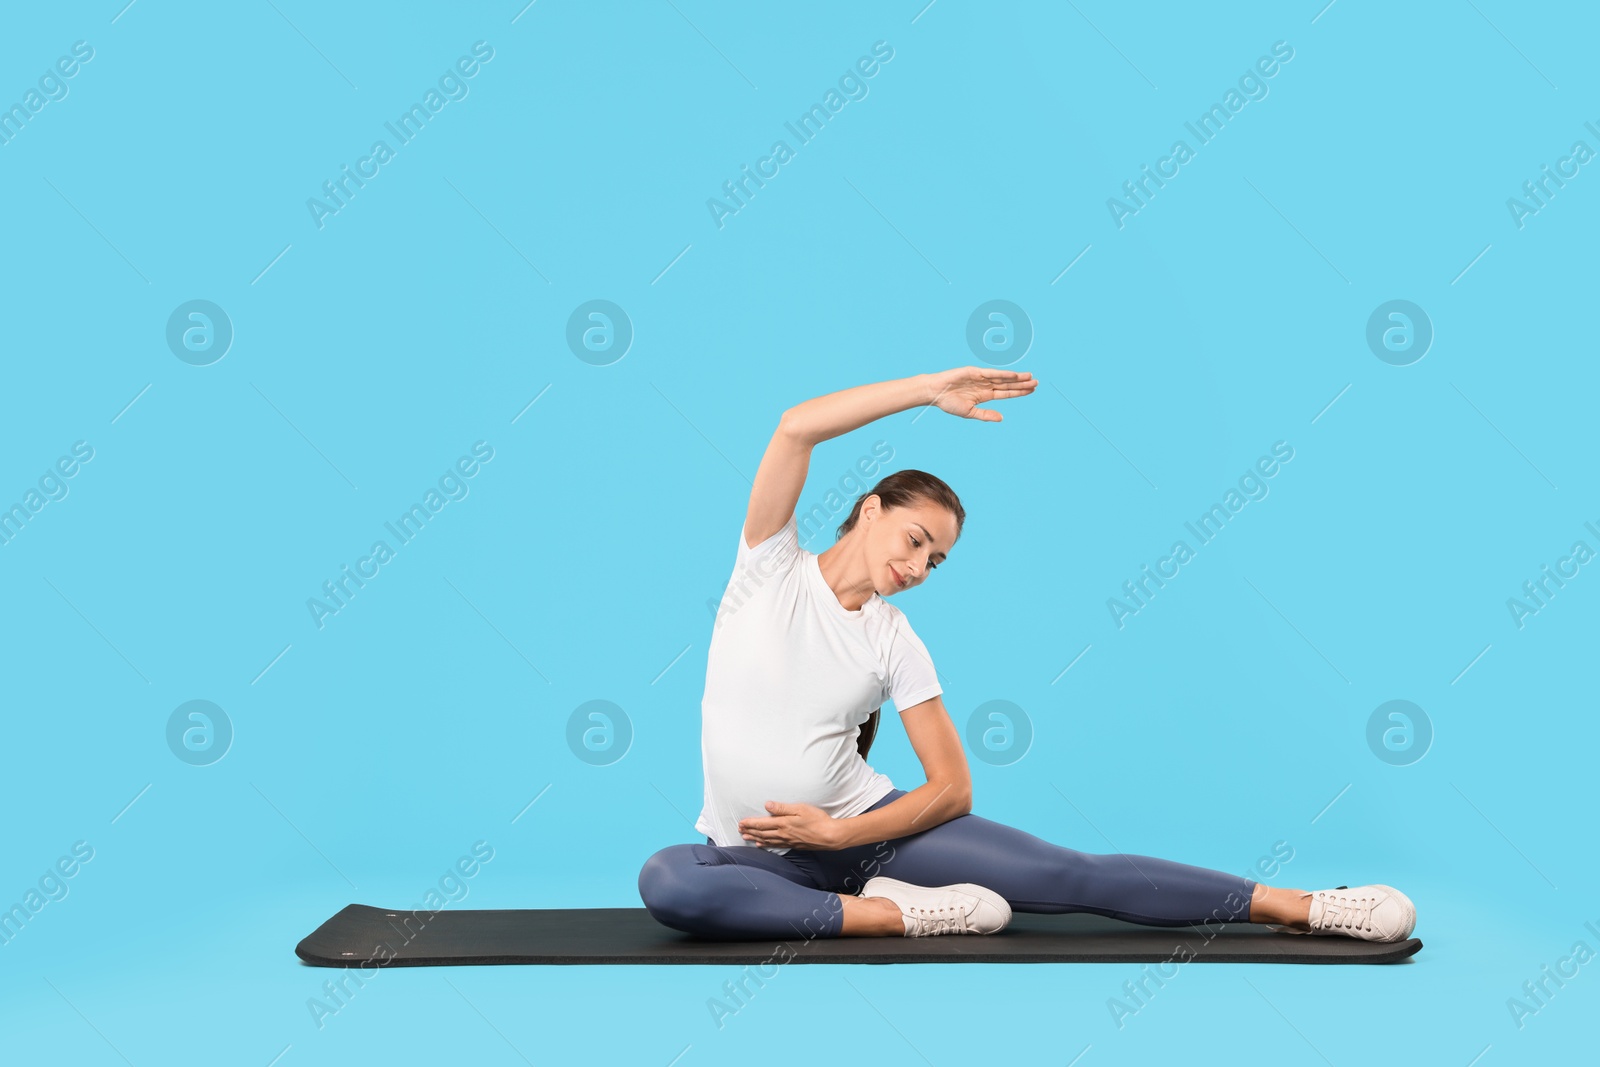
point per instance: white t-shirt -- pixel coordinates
(790, 677)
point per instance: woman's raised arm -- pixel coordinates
(782, 473)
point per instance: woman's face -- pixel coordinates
(904, 545)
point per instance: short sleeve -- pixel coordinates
(912, 678)
(777, 553)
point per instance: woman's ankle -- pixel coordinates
(1284, 907)
(871, 917)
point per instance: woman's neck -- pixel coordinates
(845, 574)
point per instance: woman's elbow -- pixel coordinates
(792, 424)
(963, 799)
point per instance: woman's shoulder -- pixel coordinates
(891, 621)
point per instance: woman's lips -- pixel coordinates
(896, 574)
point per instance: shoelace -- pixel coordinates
(941, 920)
(1351, 913)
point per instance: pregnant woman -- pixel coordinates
(803, 837)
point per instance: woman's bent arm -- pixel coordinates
(925, 807)
(946, 794)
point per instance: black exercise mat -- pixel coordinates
(365, 936)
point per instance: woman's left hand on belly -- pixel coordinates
(792, 826)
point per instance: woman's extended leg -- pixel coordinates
(1034, 875)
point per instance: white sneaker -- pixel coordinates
(1369, 912)
(962, 908)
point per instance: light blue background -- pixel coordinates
(371, 353)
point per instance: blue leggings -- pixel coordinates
(747, 893)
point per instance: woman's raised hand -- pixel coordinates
(961, 390)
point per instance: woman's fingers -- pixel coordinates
(992, 376)
(1000, 387)
(997, 394)
(979, 394)
(761, 831)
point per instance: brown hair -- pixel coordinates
(906, 488)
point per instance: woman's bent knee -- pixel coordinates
(667, 887)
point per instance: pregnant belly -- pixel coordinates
(751, 776)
